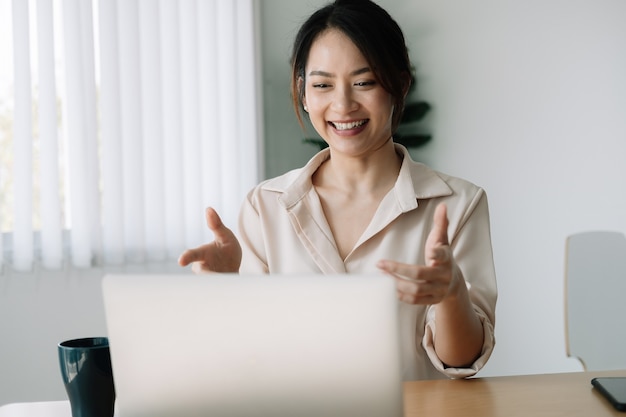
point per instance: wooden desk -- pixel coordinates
(549, 395)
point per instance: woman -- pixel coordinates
(362, 205)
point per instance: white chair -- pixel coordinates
(595, 299)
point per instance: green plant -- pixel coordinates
(409, 133)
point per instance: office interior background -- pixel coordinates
(528, 100)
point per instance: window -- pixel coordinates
(119, 122)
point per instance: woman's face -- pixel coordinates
(347, 106)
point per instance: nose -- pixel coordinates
(344, 100)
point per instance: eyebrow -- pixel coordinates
(328, 74)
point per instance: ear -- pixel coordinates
(302, 95)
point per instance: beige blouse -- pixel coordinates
(282, 229)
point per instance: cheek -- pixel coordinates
(316, 110)
(314, 101)
(388, 109)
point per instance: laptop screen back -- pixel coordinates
(230, 345)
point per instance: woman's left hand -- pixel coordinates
(433, 282)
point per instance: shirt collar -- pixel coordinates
(415, 181)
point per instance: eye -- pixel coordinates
(321, 85)
(365, 83)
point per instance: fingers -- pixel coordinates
(437, 249)
(439, 233)
(398, 270)
(194, 258)
(214, 222)
(420, 291)
(222, 233)
(413, 293)
(223, 254)
(429, 284)
(189, 256)
(422, 275)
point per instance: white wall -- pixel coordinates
(529, 102)
(40, 309)
(37, 311)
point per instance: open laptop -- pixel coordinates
(271, 345)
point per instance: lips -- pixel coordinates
(341, 126)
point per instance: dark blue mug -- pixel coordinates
(87, 376)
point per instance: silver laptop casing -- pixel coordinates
(231, 345)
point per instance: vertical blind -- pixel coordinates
(146, 114)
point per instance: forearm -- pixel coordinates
(459, 336)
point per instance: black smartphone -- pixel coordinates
(613, 388)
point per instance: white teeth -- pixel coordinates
(347, 126)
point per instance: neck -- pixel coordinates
(375, 171)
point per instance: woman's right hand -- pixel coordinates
(221, 255)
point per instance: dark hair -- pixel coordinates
(374, 32)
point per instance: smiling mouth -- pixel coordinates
(348, 126)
